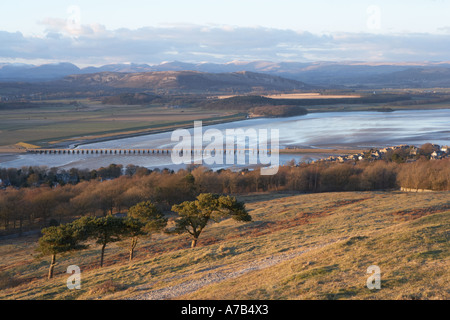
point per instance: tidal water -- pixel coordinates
(315, 130)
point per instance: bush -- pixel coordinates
(107, 287)
(379, 176)
(7, 281)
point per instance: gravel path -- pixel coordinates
(218, 276)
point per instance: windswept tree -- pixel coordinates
(59, 240)
(134, 228)
(104, 230)
(195, 215)
(143, 218)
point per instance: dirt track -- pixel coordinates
(224, 273)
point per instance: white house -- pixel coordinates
(437, 155)
(413, 151)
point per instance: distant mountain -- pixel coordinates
(416, 77)
(118, 68)
(328, 74)
(19, 72)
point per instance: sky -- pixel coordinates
(101, 32)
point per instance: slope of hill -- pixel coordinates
(310, 246)
(186, 81)
(31, 73)
(416, 77)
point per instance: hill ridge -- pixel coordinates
(187, 80)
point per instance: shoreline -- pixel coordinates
(67, 142)
(340, 151)
(5, 157)
(74, 142)
(109, 137)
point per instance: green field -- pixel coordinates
(298, 246)
(46, 124)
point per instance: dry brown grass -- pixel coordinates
(311, 246)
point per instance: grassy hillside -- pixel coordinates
(310, 246)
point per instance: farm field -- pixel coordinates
(51, 124)
(311, 95)
(298, 246)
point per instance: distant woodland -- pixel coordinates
(251, 101)
(278, 111)
(130, 99)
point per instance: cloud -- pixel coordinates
(94, 44)
(72, 28)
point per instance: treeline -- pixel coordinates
(41, 206)
(245, 103)
(37, 176)
(425, 99)
(279, 111)
(130, 99)
(27, 208)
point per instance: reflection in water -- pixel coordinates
(316, 130)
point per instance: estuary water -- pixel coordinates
(315, 130)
